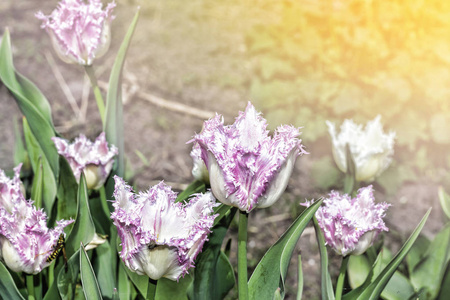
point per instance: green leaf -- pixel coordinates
(141, 282)
(326, 285)
(68, 277)
(37, 187)
(222, 211)
(444, 198)
(88, 280)
(398, 288)
(358, 268)
(224, 279)
(124, 288)
(19, 85)
(113, 126)
(168, 289)
(271, 271)
(83, 229)
(375, 288)
(101, 219)
(66, 205)
(20, 152)
(429, 272)
(104, 269)
(213, 274)
(417, 252)
(8, 289)
(31, 102)
(38, 159)
(445, 286)
(195, 187)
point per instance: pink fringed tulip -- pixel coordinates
(25, 241)
(247, 168)
(351, 225)
(371, 148)
(160, 238)
(79, 32)
(94, 159)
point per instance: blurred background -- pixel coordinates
(299, 62)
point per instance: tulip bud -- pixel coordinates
(371, 149)
(95, 159)
(79, 32)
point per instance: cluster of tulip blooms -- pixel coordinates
(160, 236)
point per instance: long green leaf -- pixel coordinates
(222, 211)
(445, 286)
(195, 187)
(417, 252)
(88, 280)
(430, 271)
(31, 102)
(66, 194)
(20, 152)
(113, 126)
(271, 271)
(104, 269)
(68, 278)
(358, 269)
(374, 290)
(168, 289)
(326, 285)
(124, 288)
(224, 279)
(18, 84)
(40, 164)
(8, 289)
(141, 282)
(83, 229)
(361, 274)
(212, 277)
(37, 187)
(444, 198)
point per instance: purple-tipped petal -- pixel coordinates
(80, 32)
(160, 237)
(247, 167)
(25, 240)
(351, 225)
(94, 159)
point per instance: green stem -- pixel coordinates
(30, 287)
(242, 256)
(98, 95)
(51, 274)
(340, 280)
(349, 183)
(151, 290)
(300, 278)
